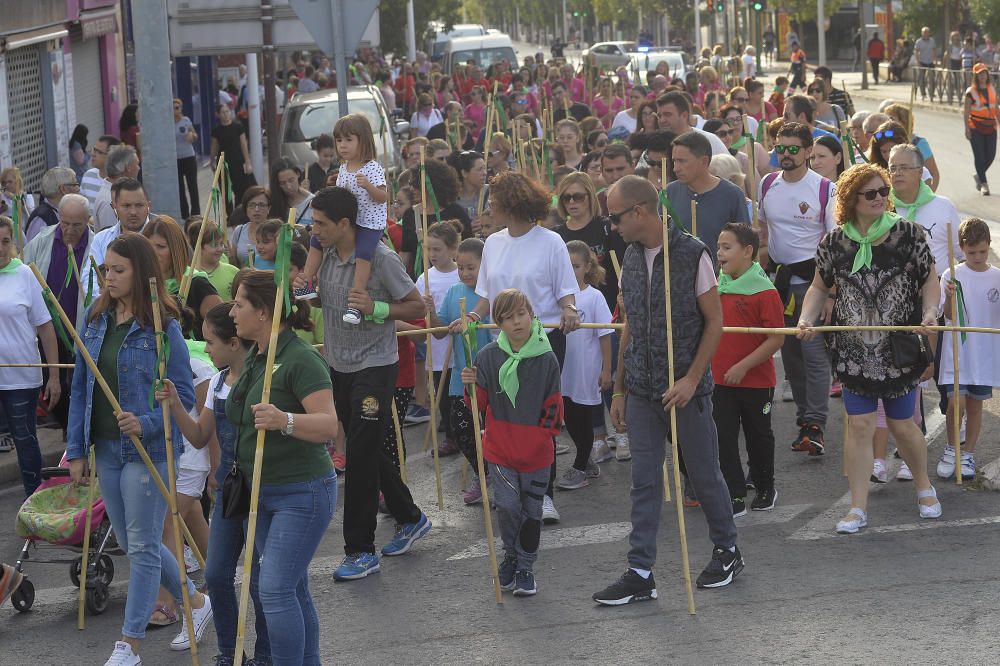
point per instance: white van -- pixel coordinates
(483, 50)
(436, 48)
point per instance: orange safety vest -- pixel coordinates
(983, 112)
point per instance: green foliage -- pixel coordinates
(987, 14)
(805, 10)
(918, 13)
(392, 20)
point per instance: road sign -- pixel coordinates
(317, 16)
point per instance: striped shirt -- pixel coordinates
(91, 184)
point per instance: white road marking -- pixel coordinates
(910, 527)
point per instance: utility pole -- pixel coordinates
(863, 41)
(565, 35)
(253, 113)
(821, 29)
(339, 59)
(152, 68)
(270, 96)
(411, 32)
(697, 27)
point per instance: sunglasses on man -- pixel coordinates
(781, 149)
(885, 134)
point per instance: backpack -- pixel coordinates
(824, 193)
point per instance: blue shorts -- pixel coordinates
(974, 391)
(420, 349)
(897, 409)
(365, 242)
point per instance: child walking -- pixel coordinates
(587, 370)
(978, 353)
(470, 255)
(516, 380)
(365, 178)
(743, 368)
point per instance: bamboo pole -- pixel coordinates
(487, 143)
(67, 366)
(430, 354)
(185, 286)
(956, 399)
(752, 175)
(487, 516)
(100, 278)
(681, 525)
(694, 215)
(440, 388)
(258, 460)
(172, 476)
(399, 442)
(85, 558)
(113, 401)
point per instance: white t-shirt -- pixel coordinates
(222, 393)
(304, 211)
(979, 355)
(440, 284)
(22, 310)
(422, 124)
(705, 280)
(749, 66)
(792, 214)
(192, 458)
(371, 215)
(537, 263)
(581, 372)
(622, 119)
(718, 148)
(934, 217)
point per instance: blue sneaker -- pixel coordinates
(524, 584)
(406, 535)
(506, 571)
(416, 414)
(357, 566)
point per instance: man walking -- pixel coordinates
(641, 396)
(924, 48)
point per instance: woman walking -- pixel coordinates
(981, 120)
(883, 272)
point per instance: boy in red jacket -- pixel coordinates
(517, 383)
(743, 368)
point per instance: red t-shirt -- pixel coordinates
(407, 375)
(761, 310)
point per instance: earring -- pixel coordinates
(262, 317)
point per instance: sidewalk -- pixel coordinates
(52, 445)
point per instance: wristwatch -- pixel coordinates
(290, 426)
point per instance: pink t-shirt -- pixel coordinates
(477, 114)
(601, 109)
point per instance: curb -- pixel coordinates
(873, 95)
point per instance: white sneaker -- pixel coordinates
(623, 453)
(200, 617)
(904, 473)
(786, 392)
(190, 561)
(123, 656)
(612, 440)
(932, 511)
(562, 448)
(549, 513)
(946, 465)
(968, 466)
(601, 452)
(879, 472)
(856, 519)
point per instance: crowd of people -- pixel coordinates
(544, 204)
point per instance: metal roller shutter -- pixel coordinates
(27, 117)
(88, 88)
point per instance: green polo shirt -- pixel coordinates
(103, 422)
(298, 372)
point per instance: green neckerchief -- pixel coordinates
(738, 144)
(11, 265)
(173, 286)
(753, 281)
(196, 349)
(879, 228)
(924, 196)
(536, 345)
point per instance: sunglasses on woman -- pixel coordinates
(781, 149)
(877, 192)
(885, 134)
(575, 197)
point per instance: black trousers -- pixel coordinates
(463, 431)
(362, 402)
(580, 426)
(403, 397)
(187, 174)
(751, 408)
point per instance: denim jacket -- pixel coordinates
(136, 372)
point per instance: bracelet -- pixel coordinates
(617, 395)
(473, 315)
(380, 311)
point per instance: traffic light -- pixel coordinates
(759, 5)
(720, 6)
(575, 14)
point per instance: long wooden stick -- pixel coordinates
(84, 562)
(430, 352)
(956, 399)
(481, 468)
(258, 460)
(694, 215)
(751, 173)
(399, 442)
(97, 273)
(113, 401)
(67, 366)
(172, 477)
(674, 436)
(440, 388)
(185, 286)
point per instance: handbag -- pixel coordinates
(235, 494)
(910, 350)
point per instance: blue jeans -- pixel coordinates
(225, 543)
(137, 509)
(291, 521)
(20, 406)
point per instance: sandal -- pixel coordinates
(856, 519)
(167, 616)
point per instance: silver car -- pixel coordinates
(609, 55)
(310, 114)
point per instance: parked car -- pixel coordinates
(647, 61)
(436, 47)
(609, 55)
(484, 51)
(308, 115)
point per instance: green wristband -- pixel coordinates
(380, 311)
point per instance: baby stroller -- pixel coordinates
(54, 518)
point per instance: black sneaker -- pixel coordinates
(628, 588)
(723, 568)
(764, 500)
(814, 435)
(739, 506)
(801, 442)
(506, 571)
(524, 584)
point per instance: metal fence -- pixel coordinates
(944, 86)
